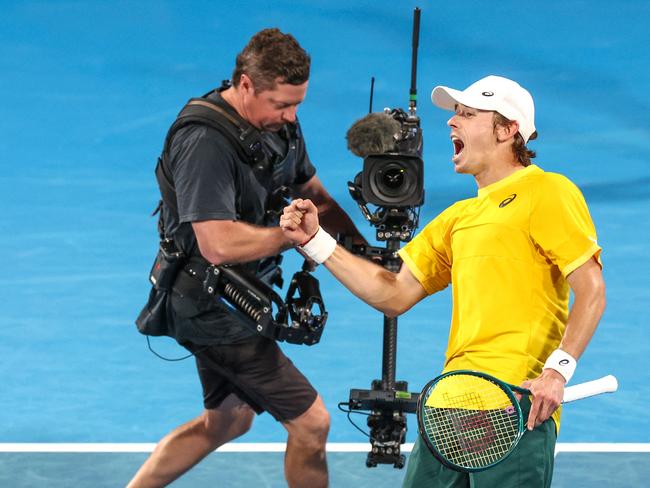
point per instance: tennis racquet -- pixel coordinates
(471, 421)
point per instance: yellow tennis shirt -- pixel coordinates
(507, 253)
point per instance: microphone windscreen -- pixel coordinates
(373, 134)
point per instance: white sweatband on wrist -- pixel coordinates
(562, 362)
(319, 247)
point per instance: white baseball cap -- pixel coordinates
(493, 93)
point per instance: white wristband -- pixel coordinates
(320, 247)
(562, 362)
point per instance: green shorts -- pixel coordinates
(529, 465)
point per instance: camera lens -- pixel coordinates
(393, 180)
(394, 177)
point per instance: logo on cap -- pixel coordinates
(487, 94)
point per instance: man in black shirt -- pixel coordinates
(222, 217)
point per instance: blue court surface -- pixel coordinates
(87, 92)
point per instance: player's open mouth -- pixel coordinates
(458, 147)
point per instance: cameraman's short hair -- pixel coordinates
(271, 56)
(519, 149)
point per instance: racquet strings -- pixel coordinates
(470, 421)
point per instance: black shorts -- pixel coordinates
(258, 372)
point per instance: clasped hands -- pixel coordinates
(299, 221)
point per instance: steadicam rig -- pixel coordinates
(299, 319)
(392, 180)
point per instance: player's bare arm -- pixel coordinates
(588, 306)
(388, 292)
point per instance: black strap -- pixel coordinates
(219, 115)
(167, 191)
(244, 137)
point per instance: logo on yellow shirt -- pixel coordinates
(507, 200)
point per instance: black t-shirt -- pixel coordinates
(212, 182)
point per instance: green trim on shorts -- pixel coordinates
(530, 464)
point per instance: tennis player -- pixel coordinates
(512, 254)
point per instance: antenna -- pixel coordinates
(372, 91)
(413, 94)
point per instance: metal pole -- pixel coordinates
(389, 357)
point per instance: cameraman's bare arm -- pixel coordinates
(227, 241)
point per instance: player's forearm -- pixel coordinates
(239, 242)
(368, 281)
(585, 314)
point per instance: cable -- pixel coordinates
(351, 421)
(372, 439)
(173, 359)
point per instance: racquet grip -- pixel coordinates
(606, 384)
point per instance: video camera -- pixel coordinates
(392, 180)
(392, 177)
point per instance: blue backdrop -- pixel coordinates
(88, 90)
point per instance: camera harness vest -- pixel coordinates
(247, 296)
(259, 153)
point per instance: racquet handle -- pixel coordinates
(606, 384)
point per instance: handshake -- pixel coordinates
(299, 223)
